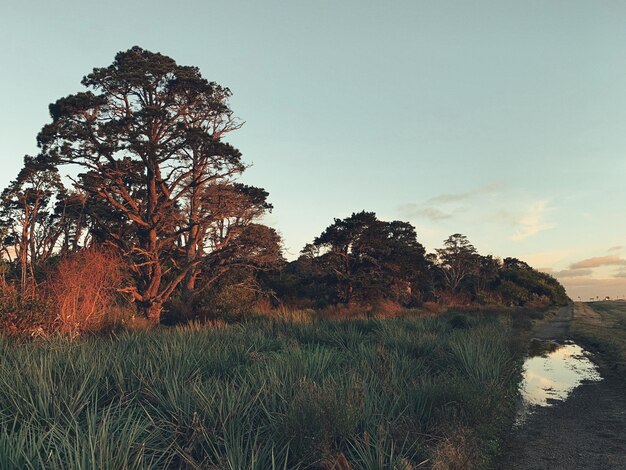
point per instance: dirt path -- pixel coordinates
(582, 310)
(556, 327)
(586, 431)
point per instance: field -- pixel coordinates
(602, 325)
(395, 393)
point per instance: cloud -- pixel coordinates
(456, 197)
(572, 273)
(592, 282)
(620, 273)
(598, 261)
(432, 213)
(613, 249)
(531, 221)
(431, 208)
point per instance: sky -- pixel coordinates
(501, 120)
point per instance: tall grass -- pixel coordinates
(267, 394)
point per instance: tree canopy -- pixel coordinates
(363, 259)
(148, 134)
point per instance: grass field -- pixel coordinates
(602, 325)
(369, 394)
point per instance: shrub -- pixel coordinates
(24, 315)
(84, 289)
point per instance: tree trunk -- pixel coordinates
(152, 311)
(190, 282)
(24, 270)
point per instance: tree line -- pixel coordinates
(152, 182)
(362, 260)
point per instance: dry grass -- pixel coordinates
(381, 310)
(458, 451)
(452, 299)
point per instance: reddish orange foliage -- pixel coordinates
(84, 289)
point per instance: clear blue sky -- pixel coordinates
(501, 120)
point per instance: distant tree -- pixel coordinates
(404, 261)
(458, 260)
(346, 248)
(306, 282)
(27, 217)
(516, 264)
(521, 284)
(486, 276)
(148, 134)
(369, 258)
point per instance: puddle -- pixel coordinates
(552, 375)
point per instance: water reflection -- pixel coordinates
(553, 375)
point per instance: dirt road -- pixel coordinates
(586, 431)
(555, 327)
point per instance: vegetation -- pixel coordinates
(157, 188)
(268, 393)
(339, 371)
(363, 259)
(158, 176)
(602, 325)
(367, 262)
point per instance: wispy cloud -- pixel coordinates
(615, 249)
(531, 222)
(432, 213)
(598, 261)
(456, 197)
(432, 208)
(572, 273)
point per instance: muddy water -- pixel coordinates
(551, 376)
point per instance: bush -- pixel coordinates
(84, 290)
(24, 315)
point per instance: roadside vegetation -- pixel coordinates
(401, 393)
(602, 326)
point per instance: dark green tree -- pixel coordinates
(520, 283)
(486, 275)
(370, 259)
(346, 248)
